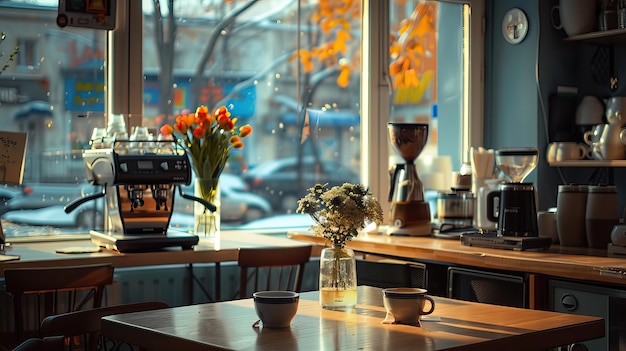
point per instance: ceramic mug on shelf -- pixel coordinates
(577, 16)
(565, 151)
(590, 111)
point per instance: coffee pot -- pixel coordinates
(517, 208)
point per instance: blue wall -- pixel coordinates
(517, 104)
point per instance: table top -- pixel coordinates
(43, 253)
(585, 264)
(454, 325)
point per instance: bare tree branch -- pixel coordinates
(223, 24)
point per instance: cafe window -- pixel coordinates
(291, 69)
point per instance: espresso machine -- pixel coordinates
(139, 189)
(513, 206)
(410, 214)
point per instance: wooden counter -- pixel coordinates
(591, 265)
(43, 252)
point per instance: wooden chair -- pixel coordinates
(81, 329)
(53, 290)
(53, 343)
(278, 268)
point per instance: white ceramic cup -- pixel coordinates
(577, 16)
(590, 111)
(564, 151)
(276, 309)
(406, 305)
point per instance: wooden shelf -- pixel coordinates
(589, 163)
(607, 37)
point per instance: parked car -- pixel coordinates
(280, 223)
(87, 216)
(45, 202)
(45, 205)
(277, 180)
(238, 204)
(8, 192)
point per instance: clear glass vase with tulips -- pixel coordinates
(208, 140)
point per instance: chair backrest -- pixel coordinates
(55, 290)
(81, 329)
(278, 268)
(53, 343)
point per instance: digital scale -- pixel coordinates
(517, 243)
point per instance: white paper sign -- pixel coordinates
(12, 156)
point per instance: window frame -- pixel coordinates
(375, 92)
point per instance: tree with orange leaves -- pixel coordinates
(412, 51)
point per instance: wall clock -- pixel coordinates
(514, 26)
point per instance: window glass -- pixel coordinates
(291, 69)
(427, 63)
(54, 91)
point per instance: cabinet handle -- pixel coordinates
(569, 302)
(613, 271)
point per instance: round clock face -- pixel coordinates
(514, 26)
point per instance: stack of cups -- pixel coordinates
(601, 215)
(586, 215)
(571, 206)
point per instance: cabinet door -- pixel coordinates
(578, 299)
(487, 287)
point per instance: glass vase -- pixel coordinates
(207, 222)
(337, 278)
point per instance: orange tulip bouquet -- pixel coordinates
(208, 139)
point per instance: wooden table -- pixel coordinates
(454, 325)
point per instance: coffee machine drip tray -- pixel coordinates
(143, 242)
(517, 243)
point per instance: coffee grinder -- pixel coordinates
(517, 214)
(410, 214)
(516, 211)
